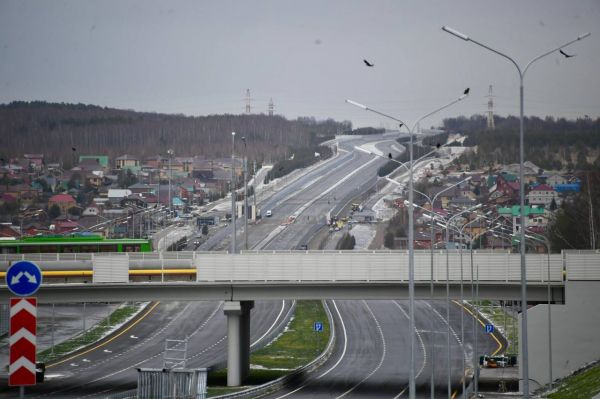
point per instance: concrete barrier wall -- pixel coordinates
(575, 333)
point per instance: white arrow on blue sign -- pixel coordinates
(489, 328)
(23, 278)
(318, 326)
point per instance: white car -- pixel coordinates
(268, 213)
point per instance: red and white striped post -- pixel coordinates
(23, 320)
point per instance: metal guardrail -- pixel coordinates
(282, 381)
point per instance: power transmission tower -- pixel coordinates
(490, 112)
(248, 102)
(271, 107)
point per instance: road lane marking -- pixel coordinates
(142, 317)
(345, 342)
(334, 366)
(422, 348)
(383, 354)
(483, 324)
(272, 325)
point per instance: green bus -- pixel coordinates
(73, 243)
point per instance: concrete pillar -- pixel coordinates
(238, 340)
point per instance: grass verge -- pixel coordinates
(499, 317)
(297, 346)
(583, 385)
(88, 337)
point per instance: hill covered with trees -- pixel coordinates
(549, 143)
(56, 129)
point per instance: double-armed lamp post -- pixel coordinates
(411, 254)
(522, 72)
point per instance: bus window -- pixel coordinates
(8, 250)
(131, 248)
(108, 248)
(88, 248)
(30, 249)
(48, 249)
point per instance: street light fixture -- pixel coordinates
(411, 249)
(431, 201)
(521, 71)
(233, 210)
(245, 194)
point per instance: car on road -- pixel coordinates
(268, 213)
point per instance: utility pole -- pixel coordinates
(245, 194)
(490, 112)
(254, 191)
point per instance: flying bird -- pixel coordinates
(389, 155)
(565, 54)
(367, 63)
(466, 90)
(73, 148)
(438, 145)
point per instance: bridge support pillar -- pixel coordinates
(238, 340)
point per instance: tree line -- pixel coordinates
(62, 132)
(549, 143)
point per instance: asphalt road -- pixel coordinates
(110, 367)
(372, 351)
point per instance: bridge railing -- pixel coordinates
(376, 266)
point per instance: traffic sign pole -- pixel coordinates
(23, 320)
(23, 279)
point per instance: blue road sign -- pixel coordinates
(318, 326)
(489, 328)
(23, 278)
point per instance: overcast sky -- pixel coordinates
(199, 57)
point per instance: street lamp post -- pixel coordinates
(431, 201)
(521, 71)
(411, 249)
(245, 194)
(170, 152)
(233, 210)
(448, 224)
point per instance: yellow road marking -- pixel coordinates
(480, 322)
(107, 341)
(492, 334)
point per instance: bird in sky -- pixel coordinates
(466, 90)
(565, 54)
(367, 63)
(73, 148)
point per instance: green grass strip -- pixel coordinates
(583, 385)
(496, 315)
(88, 337)
(296, 347)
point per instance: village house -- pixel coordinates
(63, 201)
(543, 195)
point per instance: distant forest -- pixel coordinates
(64, 131)
(549, 143)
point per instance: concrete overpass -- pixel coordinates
(242, 278)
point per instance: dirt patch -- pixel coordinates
(377, 242)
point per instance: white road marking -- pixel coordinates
(422, 348)
(383, 354)
(334, 366)
(272, 325)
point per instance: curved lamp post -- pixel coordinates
(411, 249)
(522, 72)
(431, 201)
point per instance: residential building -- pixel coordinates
(543, 195)
(63, 201)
